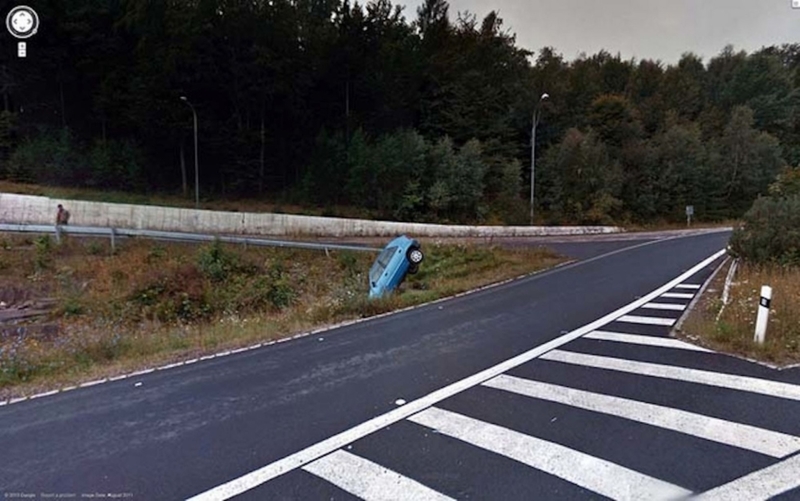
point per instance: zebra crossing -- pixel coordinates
(622, 412)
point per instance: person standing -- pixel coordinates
(62, 217)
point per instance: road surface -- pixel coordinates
(562, 385)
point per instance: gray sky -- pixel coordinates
(644, 29)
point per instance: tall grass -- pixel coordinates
(734, 329)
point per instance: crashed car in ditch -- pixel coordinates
(400, 257)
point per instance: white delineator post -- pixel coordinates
(763, 314)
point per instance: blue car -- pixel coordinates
(401, 256)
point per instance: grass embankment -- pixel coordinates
(733, 331)
(149, 304)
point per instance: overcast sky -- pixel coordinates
(644, 29)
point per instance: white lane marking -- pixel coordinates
(759, 485)
(722, 380)
(368, 480)
(634, 319)
(770, 443)
(665, 306)
(597, 475)
(266, 473)
(677, 295)
(662, 342)
(688, 286)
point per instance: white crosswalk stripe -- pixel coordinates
(760, 485)
(688, 286)
(635, 319)
(743, 436)
(367, 480)
(603, 477)
(731, 381)
(662, 342)
(677, 295)
(665, 306)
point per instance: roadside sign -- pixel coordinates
(689, 214)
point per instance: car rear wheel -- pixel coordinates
(415, 255)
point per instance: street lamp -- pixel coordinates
(537, 113)
(196, 168)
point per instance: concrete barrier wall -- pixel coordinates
(26, 209)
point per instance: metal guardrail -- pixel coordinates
(113, 233)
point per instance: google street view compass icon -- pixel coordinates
(22, 22)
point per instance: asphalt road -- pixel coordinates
(177, 433)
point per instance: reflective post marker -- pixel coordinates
(763, 314)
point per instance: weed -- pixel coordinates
(72, 307)
(44, 252)
(155, 254)
(95, 248)
(215, 262)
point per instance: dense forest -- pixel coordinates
(415, 116)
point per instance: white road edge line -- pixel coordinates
(598, 475)
(634, 319)
(370, 481)
(759, 485)
(677, 295)
(266, 473)
(662, 342)
(722, 380)
(742, 436)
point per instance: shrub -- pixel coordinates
(44, 251)
(280, 292)
(216, 263)
(770, 232)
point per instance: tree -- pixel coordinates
(746, 160)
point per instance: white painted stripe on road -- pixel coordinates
(722, 380)
(770, 443)
(665, 306)
(298, 459)
(597, 475)
(368, 480)
(635, 319)
(93, 383)
(688, 286)
(760, 485)
(677, 295)
(663, 342)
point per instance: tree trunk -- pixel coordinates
(183, 170)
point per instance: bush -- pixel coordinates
(770, 232)
(216, 263)
(44, 252)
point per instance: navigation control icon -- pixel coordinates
(22, 22)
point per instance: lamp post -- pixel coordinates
(537, 113)
(196, 168)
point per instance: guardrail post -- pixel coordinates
(763, 314)
(113, 240)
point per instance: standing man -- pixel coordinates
(62, 217)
